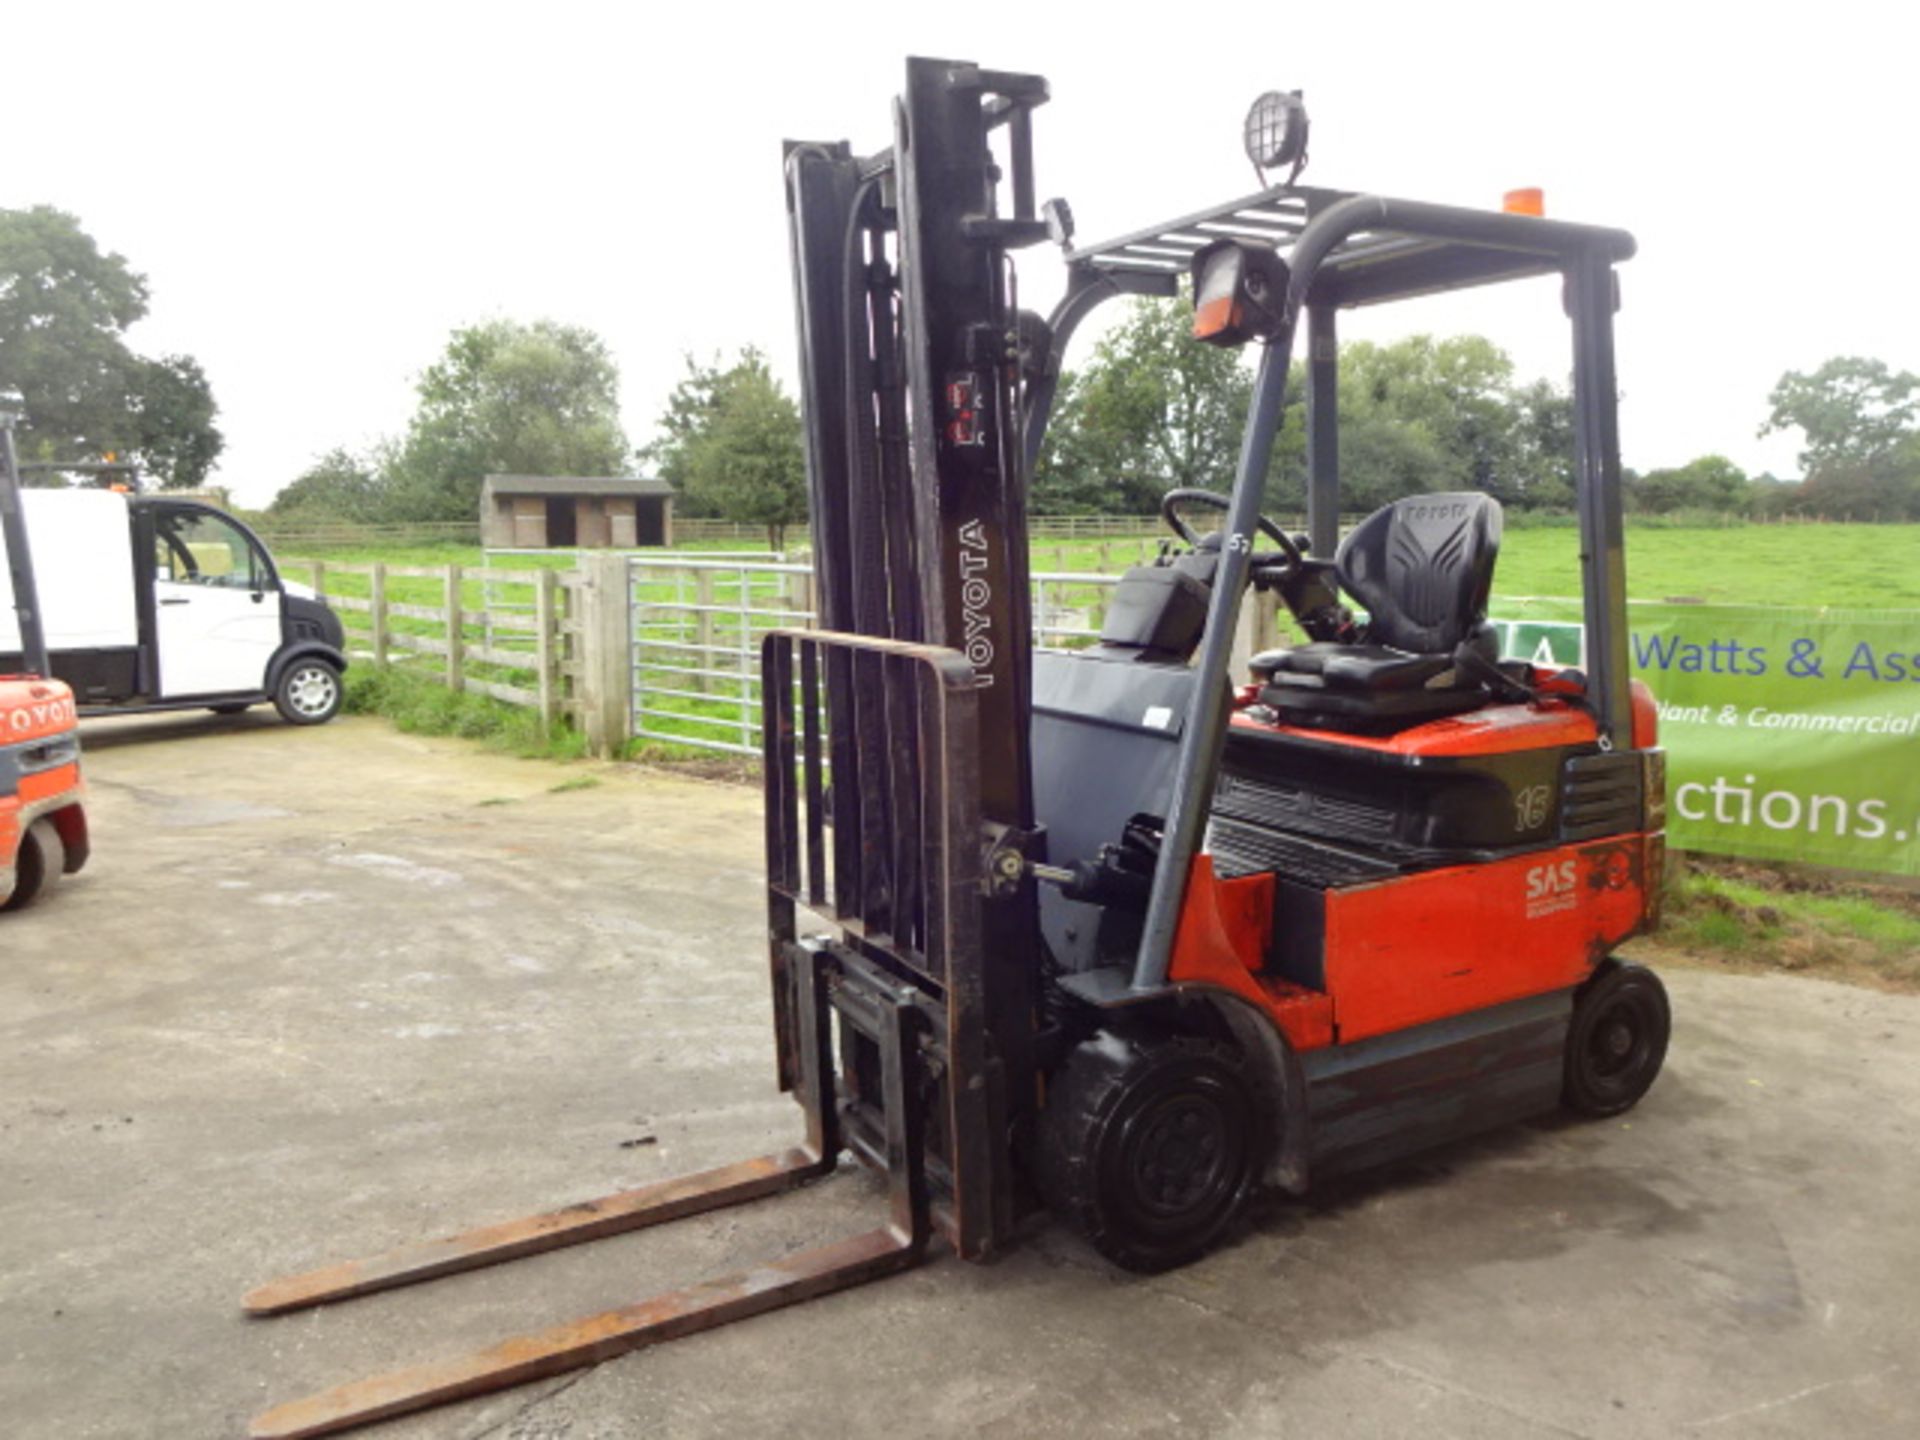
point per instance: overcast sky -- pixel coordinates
(319, 194)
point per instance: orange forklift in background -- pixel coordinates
(43, 824)
(1114, 933)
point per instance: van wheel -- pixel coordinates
(42, 860)
(308, 693)
(1150, 1148)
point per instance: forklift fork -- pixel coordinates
(894, 997)
(590, 1220)
(599, 1337)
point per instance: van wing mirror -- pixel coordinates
(1239, 293)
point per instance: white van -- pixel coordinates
(152, 603)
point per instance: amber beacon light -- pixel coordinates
(1529, 201)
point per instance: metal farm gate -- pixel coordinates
(698, 623)
(697, 626)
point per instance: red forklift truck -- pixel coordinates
(1115, 934)
(43, 820)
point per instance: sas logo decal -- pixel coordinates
(1551, 889)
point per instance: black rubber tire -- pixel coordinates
(1150, 1148)
(41, 861)
(1617, 1041)
(299, 683)
(229, 709)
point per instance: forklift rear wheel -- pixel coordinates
(308, 693)
(41, 861)
(1617, 1041)
(1149, 1148)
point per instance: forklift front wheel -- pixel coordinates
(41, 861)
(308, 693)
(1149, 1148)
(1617, 1041)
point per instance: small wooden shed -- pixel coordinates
(567, 512)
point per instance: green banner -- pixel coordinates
(1790, 734)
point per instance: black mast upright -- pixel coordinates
(13, 531)
(968, 464)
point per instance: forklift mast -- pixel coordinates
(913, 388)
(13, 536)
(43, 822)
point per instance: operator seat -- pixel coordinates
(1422, 568)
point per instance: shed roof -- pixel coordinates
(574, 485)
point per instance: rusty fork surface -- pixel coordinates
(585, 1342)
(575, 1224)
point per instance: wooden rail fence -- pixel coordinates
(519, 636)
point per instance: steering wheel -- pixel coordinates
(1170, 512)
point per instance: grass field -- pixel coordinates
(1848, 566)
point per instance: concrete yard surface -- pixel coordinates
(324, 991)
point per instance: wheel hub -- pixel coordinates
(1619, 1039)
(1616, 1042)
(1179, 1156)
(311, 690)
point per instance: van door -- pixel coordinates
(216, 604)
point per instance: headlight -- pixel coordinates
(1276, 132)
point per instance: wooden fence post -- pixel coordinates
(456, 631)
(606, 653)
(1266, 620)
(703, 627)
(319, 568)
(544, 646)
(800, 600)
(377, 612)
(1244, 643)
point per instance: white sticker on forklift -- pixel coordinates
(1158, 717)
(1551, 889)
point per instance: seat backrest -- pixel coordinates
(1423, 568)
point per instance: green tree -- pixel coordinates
(174, 437)
(690, 409)
(1151, 410)
(1851, 410)
(507, 398)
(1542, 457)
(1456, 393)
(65, 308)
(1711, 482)
(338, 486)
(1383, 458)
(736, 451)
(1883, 487)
